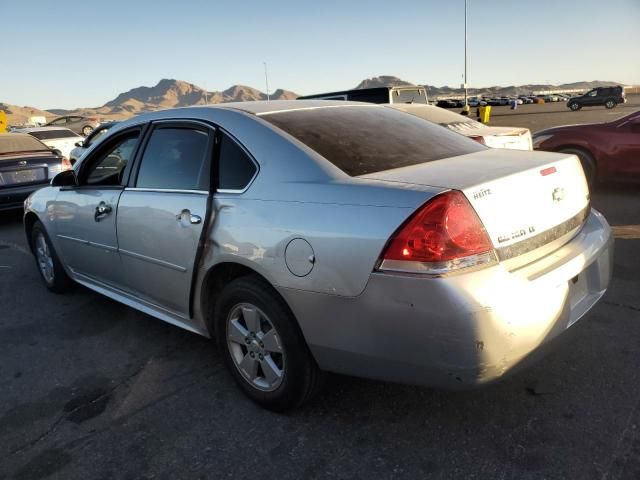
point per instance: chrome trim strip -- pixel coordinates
(73, 239)
(156, 261)
(544, 238)
(106, 247)
(88, 243)
(165, 190)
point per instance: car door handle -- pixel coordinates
(101, 210)
(193, 219)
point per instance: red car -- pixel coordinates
(608, 151)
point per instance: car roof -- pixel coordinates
(261, 107)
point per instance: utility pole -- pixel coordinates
(466, 84)
(266, 80)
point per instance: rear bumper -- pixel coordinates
(458, 331)
(13, 197)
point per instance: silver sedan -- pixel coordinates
(313, 236)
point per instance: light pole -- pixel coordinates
(465, 53)
(266, 80)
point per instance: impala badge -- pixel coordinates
(558, 194)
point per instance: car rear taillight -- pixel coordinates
(479, 139)
(445, 234)
(66, 164)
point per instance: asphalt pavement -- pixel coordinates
(538, 117)
(91, 389)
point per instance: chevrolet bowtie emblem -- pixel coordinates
(558, 194)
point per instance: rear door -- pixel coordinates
(161, 214)
(85, 215)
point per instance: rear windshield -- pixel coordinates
(51, 134)
(19, 142)
(368, 139)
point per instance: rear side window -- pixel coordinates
(175, 158)
(368, 139)
(53, 134)
(236, 168)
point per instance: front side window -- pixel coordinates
(236, 168)
(175, 158)
(109, 164)
(592, 93)
(59, 121)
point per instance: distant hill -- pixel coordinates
(171, 93)
(383, 81)
(17, 115)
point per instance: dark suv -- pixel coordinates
(607, 96)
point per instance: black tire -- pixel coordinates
(574, 106)
(60, 282)
(610, 103)
(301, 378)
(587, 161)
(86, 130)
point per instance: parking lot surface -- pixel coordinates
(91, 389)
(538, 117)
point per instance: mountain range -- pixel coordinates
(170, 93)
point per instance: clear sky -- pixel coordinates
(67, 53)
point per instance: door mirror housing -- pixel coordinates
(80, 143)
(67, 178)
(56, 151)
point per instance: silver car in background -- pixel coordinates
(77, 123)
(311, 236)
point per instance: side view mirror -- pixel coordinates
(66, 178)
(56, 151)
(80, 143)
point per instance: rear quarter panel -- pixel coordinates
(346, 240)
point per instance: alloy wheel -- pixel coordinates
(45, 260)
(255, 347)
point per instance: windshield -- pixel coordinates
(409, 96)
(368, 139)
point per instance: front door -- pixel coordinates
(161, 216)
(85, 215)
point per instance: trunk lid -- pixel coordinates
(25, 169)
(496, 137)
(518, 195)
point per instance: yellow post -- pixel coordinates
(485, 114)
(3, 121)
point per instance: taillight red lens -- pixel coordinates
(66, 164)
(445, 228)
(478, 138)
